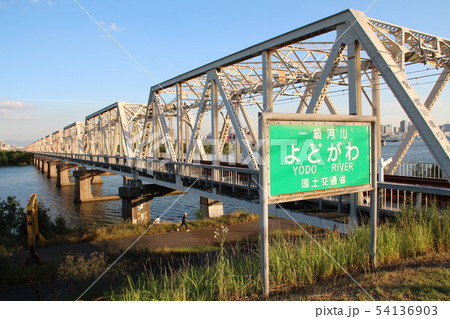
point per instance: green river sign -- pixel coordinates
(320, 158)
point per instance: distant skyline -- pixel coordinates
(59, 65)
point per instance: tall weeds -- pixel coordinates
(294, 260)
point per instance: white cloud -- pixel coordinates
(9, 108)
(114, 27)
(50, 3)
(19, 117)
(34, 1)
(13, 105)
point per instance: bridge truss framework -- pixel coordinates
(297, 72)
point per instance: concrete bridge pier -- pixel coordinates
(44, 166)
(36, 162)
(83, 180)
(83, 192)
(51, 168)
(135, 206)
(62, 174)
(211, 207)
(136, 199)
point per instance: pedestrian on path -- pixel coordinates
(157, 220)
(183, 222)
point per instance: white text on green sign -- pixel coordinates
(315, 157)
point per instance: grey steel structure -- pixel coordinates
(297, 68)
(296, 72)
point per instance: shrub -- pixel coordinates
(200, 214)
(82, 268)
(13, 221)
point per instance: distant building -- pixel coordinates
(446, 128)
(403, 126)
(6, 147)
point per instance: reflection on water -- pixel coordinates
(22, 181)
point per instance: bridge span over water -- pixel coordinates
(200, 132)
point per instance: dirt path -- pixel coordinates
(193, 238)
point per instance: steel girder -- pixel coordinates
(297, 68)
(73, 138)
(115, 130)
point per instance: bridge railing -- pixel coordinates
(393, 196)
(209, 175)
(428, 170)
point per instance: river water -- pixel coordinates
(22, 181)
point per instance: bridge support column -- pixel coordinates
(37, 162)
(83, 181)
(135, 205)
(211, 207)
(51, 168)
(44, 166)
(62, 174)
(83, 192)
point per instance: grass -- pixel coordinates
(296, 261)
(85, 267)
(419, 278)
(299, 267)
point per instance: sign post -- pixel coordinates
(264, 185)
(307, 156)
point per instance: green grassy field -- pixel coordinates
(298, 261)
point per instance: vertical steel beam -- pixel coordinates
(354, 78)
(376, 111)
(267, 81)
(179, 122)
(215, 123)
(126, 130)
(155, 129)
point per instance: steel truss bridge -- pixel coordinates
(338, 65)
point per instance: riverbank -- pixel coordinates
(15, 158)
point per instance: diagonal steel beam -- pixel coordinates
(321, 89)
(412, 131)
(189, 119)
(397, 80)
(198, 122)
(239, 130)
(164, 131)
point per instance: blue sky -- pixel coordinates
(57, 65)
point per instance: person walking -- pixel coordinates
(183, 222)
(157, 220)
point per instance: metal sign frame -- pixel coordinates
(264, 191)
(316, 119)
